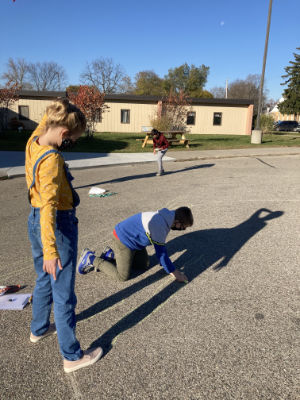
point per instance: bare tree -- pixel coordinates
(17, 73)
(246, 89)
(47, 76)
(218, 92)
(104, 74)
(126, 85)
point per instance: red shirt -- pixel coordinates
(115, 234)
(160, 142)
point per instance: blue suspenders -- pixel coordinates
(76, 199)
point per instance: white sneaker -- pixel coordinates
(89, 357)
(51, 331)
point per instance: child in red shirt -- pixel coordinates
(160, 144)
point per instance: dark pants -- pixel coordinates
(125, 259)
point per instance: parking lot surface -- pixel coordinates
(232, 332)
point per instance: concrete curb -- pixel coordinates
(3, 174)
(236, 156)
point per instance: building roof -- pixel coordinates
(32, 94)
(193, 100)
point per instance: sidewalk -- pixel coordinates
(12, 162)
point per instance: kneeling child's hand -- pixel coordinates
(179, 276)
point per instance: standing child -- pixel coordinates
(160, 144)
(53, 231)
(131, 237)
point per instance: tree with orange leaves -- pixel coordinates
(8, 95)
(91, 102)
(172, 112)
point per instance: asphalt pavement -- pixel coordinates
(232, 332)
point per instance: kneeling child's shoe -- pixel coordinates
(85, 263)
(108, 254)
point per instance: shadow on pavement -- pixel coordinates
(265, 163)
(200, 250)
(141, 176)
(216, 247)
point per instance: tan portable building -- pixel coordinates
(132, 113)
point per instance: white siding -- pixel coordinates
(140, 115)
(234, 120)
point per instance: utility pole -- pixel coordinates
(261, 87)
(226, 89)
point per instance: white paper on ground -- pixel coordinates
(96, 190)
(14, 301)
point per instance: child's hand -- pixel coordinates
(154, 151)
(49, 266)
(179, 276)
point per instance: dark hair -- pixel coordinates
(184, 215)
(155, 132)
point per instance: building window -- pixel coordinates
(191, 118)
(217, 118)
(23, 112)
(98, 115)
(125, 116)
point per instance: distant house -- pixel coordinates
(276, 114)
(132, 113)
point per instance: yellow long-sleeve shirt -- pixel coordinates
(51, 191)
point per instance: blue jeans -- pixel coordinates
(61, 291)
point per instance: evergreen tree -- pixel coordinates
(291, 95)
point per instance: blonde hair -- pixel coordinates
(62, 113)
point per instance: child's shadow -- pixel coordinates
(200, 250)
(143, 176)
(216, 247)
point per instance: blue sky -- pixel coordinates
(226, 35)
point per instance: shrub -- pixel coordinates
(266, 123)
(161, 123)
